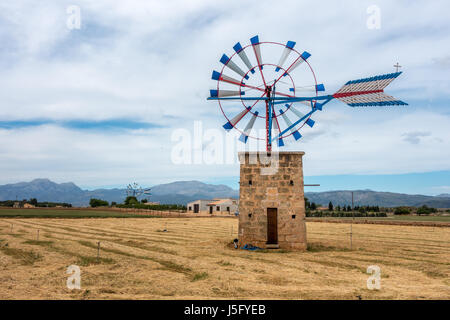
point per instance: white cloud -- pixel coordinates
(152, 61)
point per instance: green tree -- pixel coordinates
(131, 200)
(425, 210)
(330, 206)
(313, 206)
(33, 201)
(402, 210)
(98, 203)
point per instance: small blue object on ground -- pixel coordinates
(250, 247)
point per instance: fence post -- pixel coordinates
(98, 251)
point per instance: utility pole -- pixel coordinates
(351, 226)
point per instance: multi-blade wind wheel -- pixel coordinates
(260, 90)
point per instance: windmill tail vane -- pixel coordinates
(368, 92)
(266, 91)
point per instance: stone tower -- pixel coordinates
(271, 200)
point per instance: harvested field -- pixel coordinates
(194, 259)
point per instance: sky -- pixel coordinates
(102, 105)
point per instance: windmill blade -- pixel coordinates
(310, 122)
(221, 77)
(248, 128)
(368, 92)
(257, 50)
(276, 131)
(295, 133)
(230, 124)
(286, 52)
(225, 93)
(230, 64)
(313, 88)
(241, 53)
(303, 57)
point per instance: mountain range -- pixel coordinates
(182, 192)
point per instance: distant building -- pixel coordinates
(151, 203)
(227, 206)
(28, 205)
(198, 206)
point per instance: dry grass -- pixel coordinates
(196, 259)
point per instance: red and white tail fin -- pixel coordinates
(368, 92)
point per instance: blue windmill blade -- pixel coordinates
(286, 52)
(241, 53)
(221, 77)
(312, 88)
(303, 57)
(295, 133)
(225, 93)
(231, 65)
(248, 128)
(230, 124)
(257, 50)
(299, 114)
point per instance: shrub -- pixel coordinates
(98, 203)
(402, 210)
(425, 210)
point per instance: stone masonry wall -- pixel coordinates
(278, 184)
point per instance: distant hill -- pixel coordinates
(444, 195)
(373, 198)
(179, 192)
(182, 192)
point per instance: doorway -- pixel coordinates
(272, 226)
(196, 208)
(210, 209)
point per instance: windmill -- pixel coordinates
(135, 190)
(262, 94)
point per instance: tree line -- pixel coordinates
(133, 202)
(362, 211)
(36, 203)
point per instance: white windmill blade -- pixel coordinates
(295, 133)
(248, 128)
(257, 50)
(226, 93)
(286, 52)
(303, 57)
(222, 77)
(310, 122)
(276, 130)
(230, 124)
(312, 88)
(231, 65)
(241, 53)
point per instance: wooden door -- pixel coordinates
(196, 208)
(272, 226)
(210, 209)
